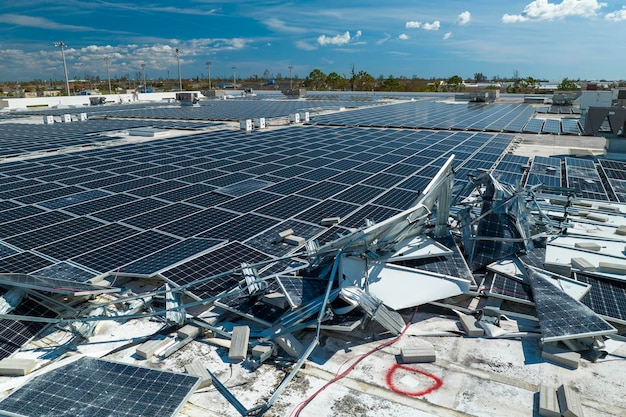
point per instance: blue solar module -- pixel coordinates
(615, 172)
(571, 126)
(534, 126)
(581, 175)
(111, 257)
(14, 334)
(552, 126)
(99, 388)
(172, 255)
(224, 259)
(546, 171)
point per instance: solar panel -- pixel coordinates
(581, 174)
(97, 387)
(510, 289)
(14, 334)
(110, 257)
(300, 291)
(606, 297)
(223, 259)
(561, 317)
(165, 258)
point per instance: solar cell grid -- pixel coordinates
(224, 259)
(157, 188)
(327, 208)
(22, 263)
(14, 334)
(101, 388)
(197, 223)
(52, 233)
(359, 194)
(26, 224)
(240, 228)
(267, 241)
(119, 187)
(287, 207)
(86, 241)
(110, 257)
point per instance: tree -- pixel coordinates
(316, 80)
(335, 81)
(362, 81)
(455, 83)
(523, 86)
(391, 84)
(479, 77)
(567, 84)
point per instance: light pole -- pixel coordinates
(145, 87)
(290, 83)
(106, 60)
(234, 78)
(67, 80)
(208, 65)
(180, 80)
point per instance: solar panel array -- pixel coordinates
(122, 207)
(615, 172)
(231, 109)
(23, 138)
(553, 126)
(581, 174)
(434, 114)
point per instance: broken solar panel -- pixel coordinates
(301, 290)
(52, 284)
(222, 260)
(252, 307)
(14, 334)
(100, 388)
(560, 316)
(269, 243)
(496, 237)
(510, 289)
(452, 264)
(65, 271)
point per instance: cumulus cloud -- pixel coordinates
(426, 26)
(617, 16)
(431, 26)
(447, 36)
(403, 37)
(544, 10)
(343, 39)
(464, 18)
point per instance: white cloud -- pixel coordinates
(426, 26)
(39, 22)
(464, 18)
(305, 46)
(447, 36)
(280, 26)
(383, 40)
(334, 40)
(431, 26)
(358, 34)
(617, 16)
(544, 10)
(403, 37)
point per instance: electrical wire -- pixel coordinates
(298, 409)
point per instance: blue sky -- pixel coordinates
(544, 39)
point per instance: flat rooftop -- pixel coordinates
(127, 222)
